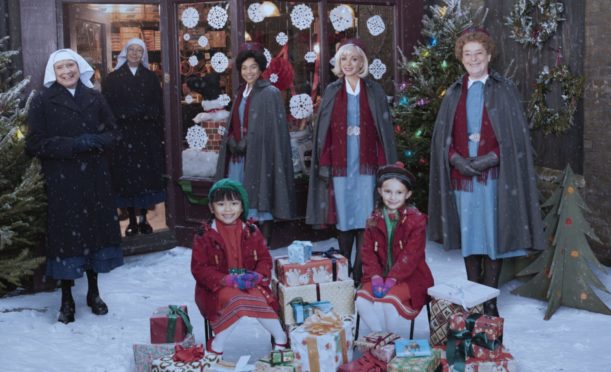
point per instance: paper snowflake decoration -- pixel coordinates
(301, 106)
(302, 16)
(254, 13)
(202, 41)
(341, 18)
(197, 137)
(224, 98)
(268, 56)
(219, 62)
(273, 78)
(186, 37)
(217, 17)
(189, 17)
(310, 57)
(377, 69)
(282, 38)
(375, 25)
(193, 61)
(189, 99)
(221, 130)
(332, 61)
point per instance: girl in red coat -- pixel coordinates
(395, 274)
(232, 268)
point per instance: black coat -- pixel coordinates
(137, 103)
(82, 216)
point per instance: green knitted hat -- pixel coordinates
(229, 184)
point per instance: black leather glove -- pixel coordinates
(463, 166)
(323, 174)
(237, 148)
(481, 163)
(87, 142)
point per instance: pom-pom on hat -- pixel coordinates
(356, 42)
(398, 171)
(229, 184)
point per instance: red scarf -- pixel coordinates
(371, 153)
(234, 126)
(460, 143)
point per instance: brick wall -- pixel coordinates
(597, 128)
(214, 137)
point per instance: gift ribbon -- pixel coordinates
(283, 364)
(382, 340)
(368, 362)
(173, 315)
(330, 254)
(278, 357)
(188, 354)
(457, 352)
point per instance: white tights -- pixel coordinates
(380, 317)
(271, 325)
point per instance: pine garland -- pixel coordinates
(551, 120)
(533, 22)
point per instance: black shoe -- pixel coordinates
(97, 305)
(66, 312)
(132, 229)
(145, 228)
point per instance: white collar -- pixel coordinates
(133, 69)
(72, 91)
(482, 79)
(354, 91)
(247, 91)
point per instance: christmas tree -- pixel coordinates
(430, 70)
(563, 273)
(22, 198)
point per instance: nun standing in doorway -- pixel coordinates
(71, 130)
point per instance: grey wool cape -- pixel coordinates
(519, 216)
(318, 190)
(268, 165)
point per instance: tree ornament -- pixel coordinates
(444, 64)
(533, 22)
(408, 153)
(423, 161)
(254, 13)
(302, 16)
(219, 62)
(404, 101)
(375, 25)
(419, 133)
(571, 89)
(377, 69)
(197, 137)
(341, 18)
(217, 17)
(189, 17)
(398, 129)
(433, 42)
(301, 106)
(426, 53)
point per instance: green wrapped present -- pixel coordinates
(416, 364)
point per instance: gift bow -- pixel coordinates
(369, 362)
(329, 253)
(173, 314)
(320, 323)
(188, 354)
(457, 352)
(381, 340)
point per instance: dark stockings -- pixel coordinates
(94, 301)
(132, 227)
(266, 229)
(345, 240)
(484, 270)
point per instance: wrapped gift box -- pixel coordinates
(469, 327)
(167, 364)
(339, 294)
(319, 269)
(464, 293)
(405, 348)
(416, 364)
(441, 311)
(265, 365)
(300, 252)
(322, 343)
(504, 362)
(169, 324)
(302, 310)
(380, 344)
(144, 354)
(366, 363)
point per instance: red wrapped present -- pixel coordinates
(441, 311)
(367, 363)
(170, 324)
(473, 335)
(504, 362)
(381, 345)
(323, 267)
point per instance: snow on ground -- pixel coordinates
(31, 339)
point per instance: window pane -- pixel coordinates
(205, 68)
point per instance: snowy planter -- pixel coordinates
(198, 163)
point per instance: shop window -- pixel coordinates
(374, 25)
(205, 61)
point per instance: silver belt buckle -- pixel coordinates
(354, 131)
(474, 137)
